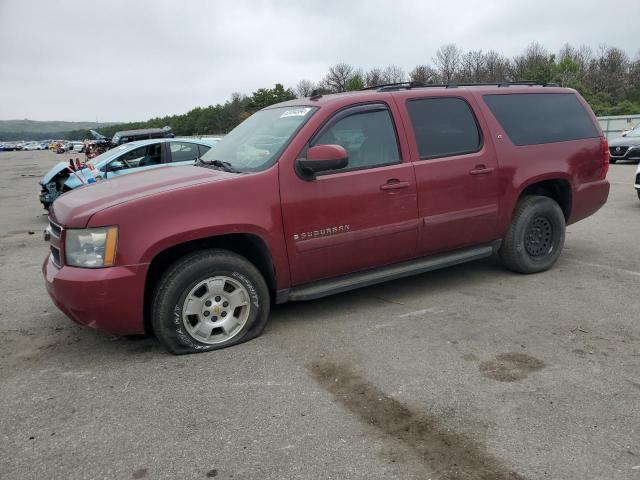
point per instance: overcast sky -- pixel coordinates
(125, 60)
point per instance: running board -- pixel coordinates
(351, 281)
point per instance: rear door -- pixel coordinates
(355, 218)
(456, 173)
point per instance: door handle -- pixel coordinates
(480, 170)
(394, 185)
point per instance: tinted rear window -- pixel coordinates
(443, 127)
(535, 118)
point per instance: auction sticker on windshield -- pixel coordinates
(297, 112)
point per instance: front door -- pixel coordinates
(358, 217)
(456, 173)
(136, 160)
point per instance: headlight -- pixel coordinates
(91, 247)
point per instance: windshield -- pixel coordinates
(257, 142)
(635, 132)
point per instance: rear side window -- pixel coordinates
(183, 152)
(443, 127)
(535, 118)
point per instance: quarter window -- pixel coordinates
(203, 149)
(183, 152)
(535, 118)
(368, 137)
(443, 127)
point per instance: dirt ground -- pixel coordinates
(467, 373)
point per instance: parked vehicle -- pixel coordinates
(637, 184)
(321, 195)
(77, 147)
(143, 134)
(626, 147)
(32, 146)
(129, 158)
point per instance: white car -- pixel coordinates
(32, 146)
(637, 185)
(78, 146)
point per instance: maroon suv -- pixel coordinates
(325, 194)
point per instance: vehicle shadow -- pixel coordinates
(398, 292)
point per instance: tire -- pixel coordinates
(638, 192)
(214, 289)
(535, 237)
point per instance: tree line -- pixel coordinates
(607, 78)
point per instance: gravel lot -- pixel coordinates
(467, 373)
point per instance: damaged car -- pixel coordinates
(128, 158)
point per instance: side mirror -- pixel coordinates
(624, 134)
(115, 166)
(322, 158)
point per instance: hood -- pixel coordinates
(75, 208)
(59, 167)
(624, 142)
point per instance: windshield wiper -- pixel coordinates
(217, 165)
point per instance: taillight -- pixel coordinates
(604, 144)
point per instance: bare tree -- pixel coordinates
(609, 73)
(393, 74)
(534, 59)
(373, 77)
(473, 67)
(338, 77)
(496, 67)
(424, 74)
(304, 88)
(447, 61)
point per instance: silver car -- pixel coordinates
(626, 147)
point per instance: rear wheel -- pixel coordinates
(535, 237)
(209, 300)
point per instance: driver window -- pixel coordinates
(368, 137)
(141, 157)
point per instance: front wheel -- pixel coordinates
(535, 237)
(209, 300)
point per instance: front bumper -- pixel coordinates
(110, 299)
(626, 153)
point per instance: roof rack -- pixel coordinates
(387, 87)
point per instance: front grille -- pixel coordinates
(55, 255)
(618, 151)
(55, 229)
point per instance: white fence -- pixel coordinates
(613, 126)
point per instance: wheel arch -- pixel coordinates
(249, 245)
(557, 188)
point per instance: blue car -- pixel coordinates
(128, 158)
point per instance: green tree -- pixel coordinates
(264, 97)
(356, 82)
